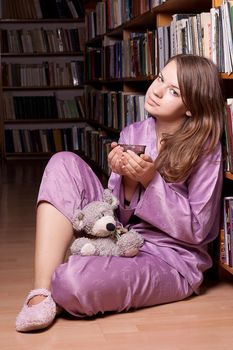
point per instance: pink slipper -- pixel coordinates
(37, 316)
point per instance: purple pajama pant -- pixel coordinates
(85, 286)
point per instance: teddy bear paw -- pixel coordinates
(88, 249)
(131, 252)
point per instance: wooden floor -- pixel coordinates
(200, 323)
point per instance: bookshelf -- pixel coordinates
(226, 267)
(42, 68)
(124, 43)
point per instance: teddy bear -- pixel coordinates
(101, 233)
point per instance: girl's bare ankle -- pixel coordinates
(36, 300)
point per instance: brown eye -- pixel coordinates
(173, 92)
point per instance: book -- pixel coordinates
(229, 31)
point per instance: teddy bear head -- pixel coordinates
(97, 217)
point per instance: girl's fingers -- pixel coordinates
(131, 166)
(115, 161)
(134, 159)
(146, 158)
(114, 144)
(113, 152)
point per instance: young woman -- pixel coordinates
(170, 194)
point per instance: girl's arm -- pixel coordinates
(186, 216)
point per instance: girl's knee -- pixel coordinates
(65, 162)
(72, 291)
(85, 286)
(61, 286)
(63, 157)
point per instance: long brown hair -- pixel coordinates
(201, 92)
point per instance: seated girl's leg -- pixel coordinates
(68, 183)
(85, 286)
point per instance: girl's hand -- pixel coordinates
(138, 168)
(115, 159)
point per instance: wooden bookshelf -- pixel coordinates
(148, 21)
(226, 268)
(45, 54)
(41, 88)
(228, 175)
(47, 121)
(41, 20)
(226, 76)
(159, 16)
(2, 142)
(151, 19)
(58, 43)
(184, 6)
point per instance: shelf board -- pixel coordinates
(121, 80)
(41, 54)
(34, 155)
(226, 268)
(226, 76)
(98, 125)
(44, 121)
(145, 19)
(28, 155)
(41, 20)
(95, 41)
(148, 19)
(228, 175)
(183, 6)
(26, 88)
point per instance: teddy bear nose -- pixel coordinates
(110, 227)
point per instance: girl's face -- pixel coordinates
(163, 99)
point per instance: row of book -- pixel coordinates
(42, 107)
(94, 63)
(41, 40)
(94, 144)
(111, 14)
(228, 140)
(144, 52)
(208, 34)
(226, 236)
(43, 75)
(97, 147)
(36, 9)
(28, 140)
(134, 57)
(114, 109)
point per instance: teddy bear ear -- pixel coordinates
(110, 199)
(78, 222)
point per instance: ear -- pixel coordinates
(188, 113)
(110, 199)
(78, 221)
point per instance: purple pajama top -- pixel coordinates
(177, 220)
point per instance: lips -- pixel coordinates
(151, 102)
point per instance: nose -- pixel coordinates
(110, 227)
(158, 91)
